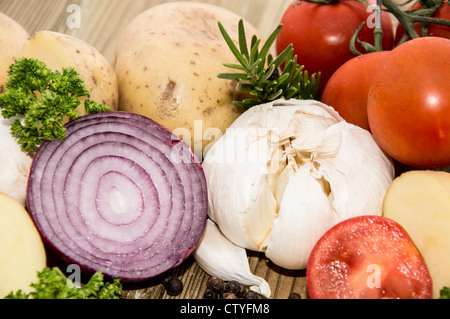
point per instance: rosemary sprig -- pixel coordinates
(261, 73)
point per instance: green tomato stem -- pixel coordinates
(408, 19)
(378, 32)
(403, 17)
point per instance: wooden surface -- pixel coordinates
(101, 24)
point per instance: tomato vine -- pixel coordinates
(407, 18)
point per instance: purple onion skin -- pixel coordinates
(121, 194)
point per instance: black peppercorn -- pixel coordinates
(229, 295)
(242, 290)
(251, 295)
(210, 294)
(232, 286)
(215, 284)
(174, 286)
(294, 295)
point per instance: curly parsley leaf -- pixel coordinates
(41, 101)
(444, 293)
(53, 284)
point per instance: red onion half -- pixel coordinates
(121, 194)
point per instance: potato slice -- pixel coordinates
(420, 202)
(58, 50)
(22, 252)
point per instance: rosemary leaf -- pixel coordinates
(235, 66)
(242, 39)
(260, 74)
(232, 76)
(231, 45)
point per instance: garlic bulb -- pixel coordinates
(14, 164)
(285, 172)
(221, 258)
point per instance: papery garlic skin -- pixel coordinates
(14, 164)
(285, 172)
(219, 257)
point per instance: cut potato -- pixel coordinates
(167, 61)
(58, 50)
(22, 253)
(12, 38)
(420, 202)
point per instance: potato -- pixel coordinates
(167, 60)
(420, 202)
(12, 38)
(58, 50)
(22, 253)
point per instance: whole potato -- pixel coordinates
(167, 61)
(59, 50)
(12, 38)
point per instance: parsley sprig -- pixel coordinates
(260, 72)
(53, 284)
(41, 101)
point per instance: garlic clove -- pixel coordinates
(305, 214)
(219, 257)
(343, 172)
(249, 202)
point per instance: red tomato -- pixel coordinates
(321, 33)
(409, 103)
(347, 89)
(433, 29)
(367, 257)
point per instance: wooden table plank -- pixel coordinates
(101, 24)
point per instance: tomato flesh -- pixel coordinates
(367, 257)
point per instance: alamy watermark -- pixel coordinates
(74, 19)
(374, 19)
(74, 277)
(374, 277)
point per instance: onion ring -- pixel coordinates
(120, 194)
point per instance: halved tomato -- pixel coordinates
(367, 257)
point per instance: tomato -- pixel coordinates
(347, 89)
(443, 12)
(408, 105)
(321, 33)
(367, 257)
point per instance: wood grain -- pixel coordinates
(101, 25)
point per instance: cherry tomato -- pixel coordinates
(409, 103)
(321, 33)
(433, 29)
(347, 89)
(367, 257)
